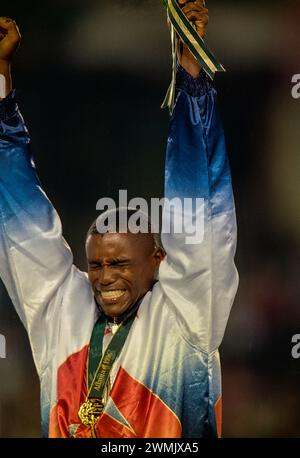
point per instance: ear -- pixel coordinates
(159, 254)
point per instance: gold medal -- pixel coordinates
(90, 411)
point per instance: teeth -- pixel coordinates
(114, 294)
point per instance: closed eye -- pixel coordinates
(94, 265)
(120, 263)
(113, 263)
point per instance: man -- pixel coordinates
(118, 353)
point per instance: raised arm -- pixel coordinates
(200, 279)
(34, 258)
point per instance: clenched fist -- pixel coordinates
(9, 38)
(9, 41)
(197, 13)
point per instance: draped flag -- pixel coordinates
(181, 28)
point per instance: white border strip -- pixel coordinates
(2, 87)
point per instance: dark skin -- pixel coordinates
(121, 269)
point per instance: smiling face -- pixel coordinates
(121, 269)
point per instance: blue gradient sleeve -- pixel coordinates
(34, 258)
(199, 278)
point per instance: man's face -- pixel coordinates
(121, 269)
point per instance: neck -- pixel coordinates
(120, 318)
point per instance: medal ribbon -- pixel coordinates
(183, 29)
(99, 367)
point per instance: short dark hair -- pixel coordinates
(93, 230)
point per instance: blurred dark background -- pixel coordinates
(90, 77)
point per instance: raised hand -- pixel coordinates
(197, 13)
(9, 40)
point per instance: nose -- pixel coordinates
(106, 276)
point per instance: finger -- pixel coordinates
(5, 22)
(8, 24)
(200, 2)
(193, 7)
(201, 29)
(10, 27)
(195, 16)
(196, 2)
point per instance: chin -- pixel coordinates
(114, 309)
